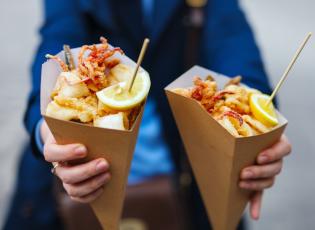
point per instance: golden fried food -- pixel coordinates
(67, 113)
(69, 85)
(230, 106)
(113, 121)
(183, 92)
(74, 95)
(255, 124)
(227, 124)
(234, 81)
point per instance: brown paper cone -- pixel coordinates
(115, 146)
(216, 156)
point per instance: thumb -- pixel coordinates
(255, 205)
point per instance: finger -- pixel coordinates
(90, 197)
(262, 171)
(82, 172)
(255, 205)
(276, 152)
(257, 185)
(58, 153)
(87, 187)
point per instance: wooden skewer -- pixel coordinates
(69, 57)
(287, 71)
(140, 58)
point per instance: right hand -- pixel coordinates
(83, 182)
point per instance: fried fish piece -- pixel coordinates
(67, 113)
(69, 85)
(113, 121)
(82, 109)
(182, 91)
(227, 124)
(257, 125)
(246, 131)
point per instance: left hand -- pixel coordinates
(262, 176)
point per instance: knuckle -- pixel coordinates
(289, 148)
(255, 186)
(258, 171)
(86, 200)
(278, 171)
(279, 168)
(71, 191)
(66, 178)
(95, 183)
(89, 171)
(270, 183)
(75, 199)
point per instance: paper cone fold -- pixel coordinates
(115, 146)
(216, 156)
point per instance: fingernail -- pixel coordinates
(80, 150)
(262, 159)
(104, 178)
(247, 174)
(101, 166)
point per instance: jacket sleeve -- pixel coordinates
(229, 46)
(63, 24)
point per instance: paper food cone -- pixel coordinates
(115, 146)
(216, 156)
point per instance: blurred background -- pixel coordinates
(279, 25)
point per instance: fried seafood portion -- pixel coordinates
(229, 106)
(67, 113)
(113, 121)
(69, 85)
(74, 95)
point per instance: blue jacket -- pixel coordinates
(227, 45)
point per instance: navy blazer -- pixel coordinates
(227, 44)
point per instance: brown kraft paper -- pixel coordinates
(216, 156)
(116, 146)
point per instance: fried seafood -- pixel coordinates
(229, 106)
(74, 95)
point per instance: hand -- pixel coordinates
(262, 176)
(83, 182)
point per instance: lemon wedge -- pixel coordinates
(266, 114)
(118, 97)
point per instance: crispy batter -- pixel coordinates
(227, 124)
(230, 106)
(238, 100)
(255, 124)
(234, 81)
(74, 95)
(66, 89)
